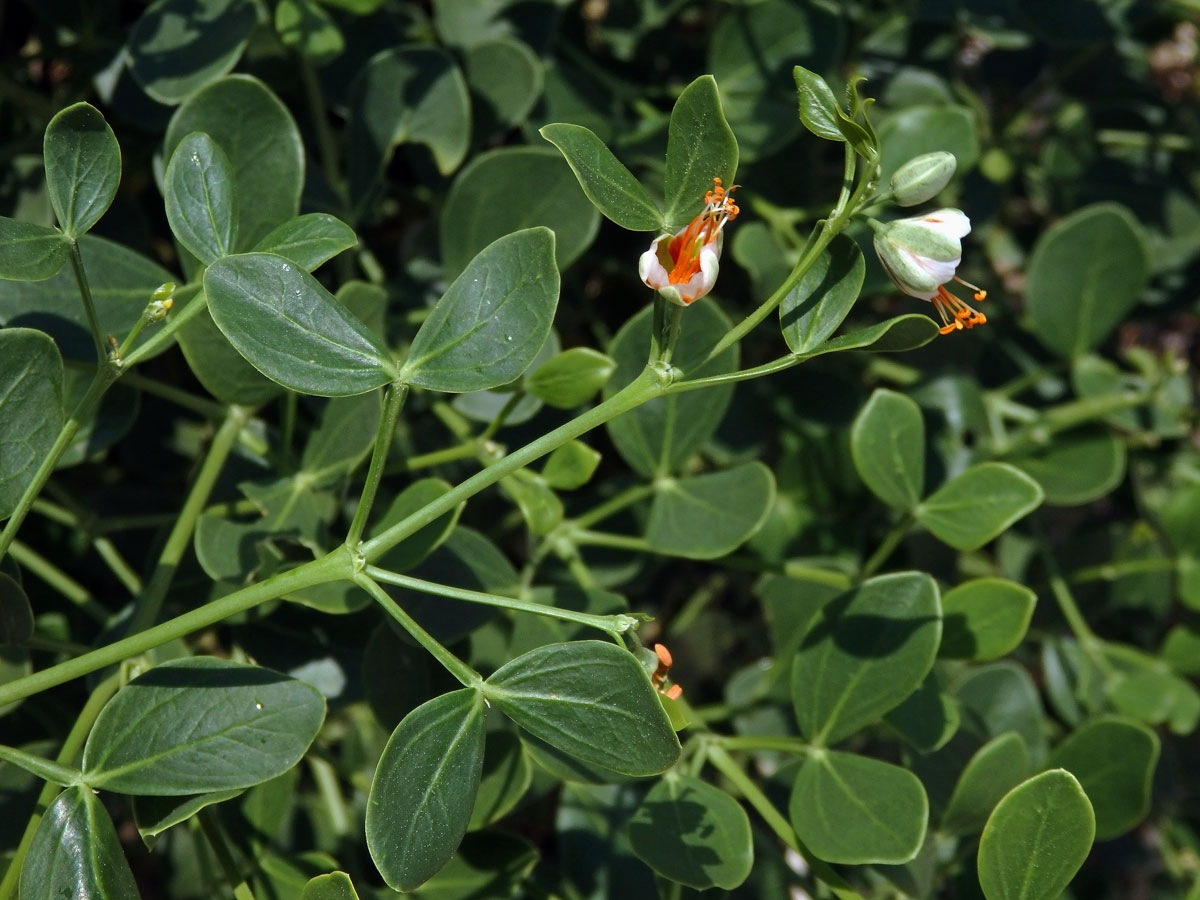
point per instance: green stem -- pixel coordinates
(67, 755)
(105, 376)
(1121, 568)
(762, 805)
(165, 336)
(826, 230)
(392, 405)
(326, 143)
(325, 775)
(215, 835)
(650, 383)
(887, 546)
(1069, 415)
(465, 450)
(333, 567)
(780, 743)
(51, 771)
(769, 368)
(455, 666)
(202, 406)
(89, 307)
(610, 507)
(104, 548)
(149, 604)
(1089, 642)
(668, 318)
(616, 541)
(75, 592)
(613, 625)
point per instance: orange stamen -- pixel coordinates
(664, 666)
(685, 247)
(954, 313)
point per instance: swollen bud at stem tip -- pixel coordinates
(922, 177)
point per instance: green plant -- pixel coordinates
(347, 444)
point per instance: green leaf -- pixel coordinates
(572, 377)
(707, 516)
(852, 809)
(658, 437)
(700, 147)
(918, 130)
(122, 282)
(219, 367)
(414, 548)
(177, 47)
(154, 815)
(333, 886)
(610, 186)
(505, 779)
(414, 824)
(258, 134)
(309, 240)
(1077, 467)
(984, 618)
(31, 252)
(465, 559)
(83, 167)
(979, 504)
(815, 307)
(514, 398)
(407, 95)
(818, 107)
(887, 444)
(75, 853)
(1036, 839)
(902, 333)
(488, 864)
(510, 189)
(866, 651)
(1085, 275)
(590, 699)
(928, 718)
(291, 329)
(16, 615)
(1114, 760)
(571, 466)
(198, 189)
(344, 434)
(1002, 697)
(31, 409)
(306, 27)
(201, 724)
(507, 75)
(540, 507)
(492, 321)
(750, 51)
(693, 833)
(995, 768)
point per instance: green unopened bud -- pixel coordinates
(160, 303)
(922, 177)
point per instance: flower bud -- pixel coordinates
(922, 177)
(921, 254)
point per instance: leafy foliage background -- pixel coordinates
(1068, 633)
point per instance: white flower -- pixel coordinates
(683, 267)
(921, 254)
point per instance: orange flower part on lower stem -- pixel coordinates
(956, 314)
(660, 674)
